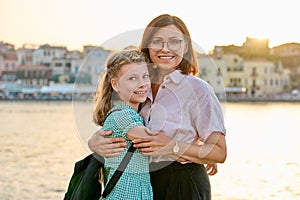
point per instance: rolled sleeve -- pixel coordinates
(208, 115)
(124, 120)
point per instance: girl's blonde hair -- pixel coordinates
(105, 94)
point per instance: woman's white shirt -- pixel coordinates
(185, 108)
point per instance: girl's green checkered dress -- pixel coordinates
(135, 181)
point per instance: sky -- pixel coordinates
(75, 23)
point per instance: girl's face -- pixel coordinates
(167, 47)
(132, 83)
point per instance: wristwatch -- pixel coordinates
(176, 148)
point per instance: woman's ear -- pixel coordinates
(114, 84)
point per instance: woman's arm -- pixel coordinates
(106, 147)
(111, 147)
(212, 151)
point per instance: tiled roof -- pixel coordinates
(33, 67)
(10, 56)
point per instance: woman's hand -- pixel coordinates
(106, 147)
(157, 143)
(212, 169)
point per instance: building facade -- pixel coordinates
(34, 76)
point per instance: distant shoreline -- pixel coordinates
(248, 100)
(254, 100)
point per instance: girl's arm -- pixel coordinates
(137, 132)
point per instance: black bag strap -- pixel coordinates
(119, 171)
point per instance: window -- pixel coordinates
(254, 71)
(253, 82)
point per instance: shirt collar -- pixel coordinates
(176, 76)
(118, 105)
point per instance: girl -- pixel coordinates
(119, 97)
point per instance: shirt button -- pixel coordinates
(163, 86)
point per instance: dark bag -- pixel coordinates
(84, 183)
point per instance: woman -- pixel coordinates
(183, 109)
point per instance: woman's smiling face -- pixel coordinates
(166, 58)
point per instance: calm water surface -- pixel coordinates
(39, 143)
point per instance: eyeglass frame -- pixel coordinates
(163, 44)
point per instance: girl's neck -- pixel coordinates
(134, 106)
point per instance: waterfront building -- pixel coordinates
(264, 78)
(25, 56)
(235, 81)
(8, 66)
(289, 54)
(60, 66)
(46, 53)
(214, 71)
(92, 64)
(33, 76)
(255, 69)
(255, 77)
(75, 58)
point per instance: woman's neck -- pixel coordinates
(162, 73)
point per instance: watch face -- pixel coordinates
(176, 148)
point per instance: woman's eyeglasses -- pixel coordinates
(158, 44)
